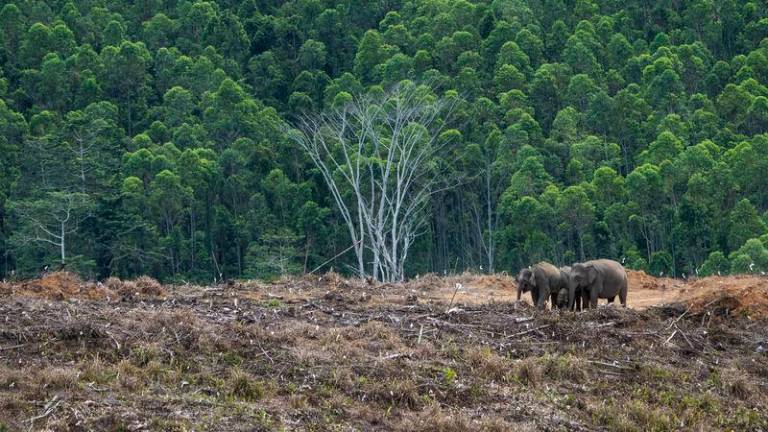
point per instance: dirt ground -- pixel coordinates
(434, 354)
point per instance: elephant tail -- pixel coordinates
(623, 290)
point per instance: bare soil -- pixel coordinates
(327, 353)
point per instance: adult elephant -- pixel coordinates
(596, 279)
(543, 280)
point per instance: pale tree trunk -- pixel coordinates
(373, 155)
(62, 247)
(52, 219)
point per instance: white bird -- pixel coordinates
(718, 273)
(661, 274)
(751, 266)
(623, 260)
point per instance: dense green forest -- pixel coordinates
(148, 137)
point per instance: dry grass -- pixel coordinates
(149, 286)
(290, 356)
(486, 362)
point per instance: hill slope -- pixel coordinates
(585, 128)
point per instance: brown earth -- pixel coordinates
(327, 353)
(748, 294)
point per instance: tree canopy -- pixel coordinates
(150, 138)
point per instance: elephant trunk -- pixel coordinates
(519, 291)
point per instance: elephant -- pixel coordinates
(596, 279)
(544, 281)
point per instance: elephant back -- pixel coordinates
(614, 273)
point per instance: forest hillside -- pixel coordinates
(154, 137)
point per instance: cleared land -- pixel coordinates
(325, 353)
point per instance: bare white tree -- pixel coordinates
(376, 156)
(84, 142)
(51, 219)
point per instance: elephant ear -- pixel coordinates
(591, 273)
(523, 276)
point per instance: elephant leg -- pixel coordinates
(553, 299)
(623, 295)
(584, 299)
(593, 294)
(541, 302)
(543, 295)
(577, 304)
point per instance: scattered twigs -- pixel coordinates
(266, 354)
(684, 336)
(458, 287)
(117, 344)
(527, 331)
(12, 347)
(49, 408)
(611, 365)
(674, 323)
(670, 337)
(92, 386)
(393, 356)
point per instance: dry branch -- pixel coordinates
(527, 331)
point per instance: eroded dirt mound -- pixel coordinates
(493, 281)
(59, 286)
(144, 285)
(65, 285)
(641, 279)
(740, 295)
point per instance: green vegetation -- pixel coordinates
(148, 137)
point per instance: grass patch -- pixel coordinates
(141, 354)
(486, 363)
(274, 303)
(402, 392)
(98, 372)
(243, 386)
(448, 376)
(528, 371)
(58, 378)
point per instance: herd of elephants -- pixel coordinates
(574, 287)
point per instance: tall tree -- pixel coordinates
(375, 155)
